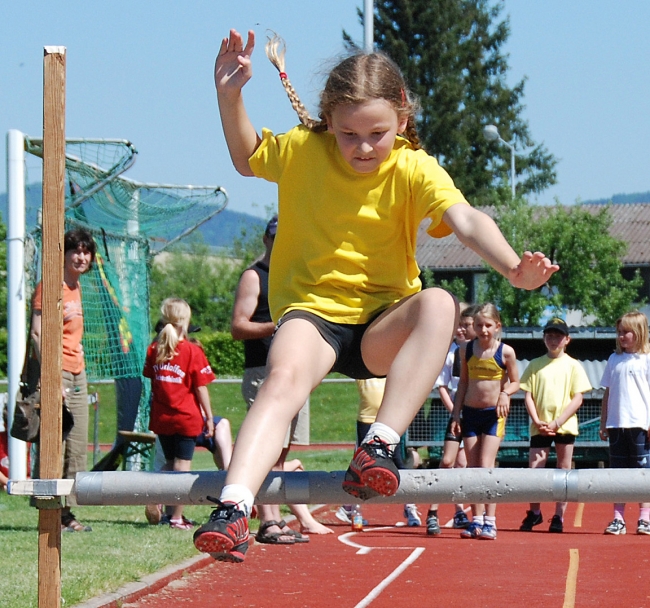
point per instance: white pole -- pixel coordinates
(368, 29)
(15, 289)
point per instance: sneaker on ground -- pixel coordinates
(461, 521)
(372, 471)
(556, 525)
(489, 532)
(532, 519)
(225, 535)
(344, 513)
(433, 525)
(474, 530)
(643, 527)
(412, 516)
(616, 527)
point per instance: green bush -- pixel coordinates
(226, 356)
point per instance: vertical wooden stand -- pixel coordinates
(49, 515)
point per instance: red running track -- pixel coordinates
(388, 566)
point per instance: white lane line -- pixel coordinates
(374, 594)
(346, 539)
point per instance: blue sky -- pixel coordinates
(143, 71)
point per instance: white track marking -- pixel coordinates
(374, 594)
(346, 539)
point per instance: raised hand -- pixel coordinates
(233, 67)
(533, 271)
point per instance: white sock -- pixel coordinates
(240, 495)
(384, 432)
(491, 519)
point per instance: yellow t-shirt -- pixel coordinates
(345, 246)
(552, 384)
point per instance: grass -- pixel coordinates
(122, 547)
(333, 410)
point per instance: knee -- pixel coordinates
(439, 302)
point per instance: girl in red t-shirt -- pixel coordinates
(179, 373)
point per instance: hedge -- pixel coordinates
(226, 355)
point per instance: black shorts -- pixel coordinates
(546, 441)
(177, 446)
(344, 338)
(629, 448)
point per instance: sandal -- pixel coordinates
(180, 524)
(69, 523)
(273, 538)
(297, 536)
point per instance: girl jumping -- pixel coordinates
(625, 416)
(488, 378)
(354, 185)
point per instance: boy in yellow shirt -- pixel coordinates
(554, 385)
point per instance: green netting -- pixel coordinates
(129, 221)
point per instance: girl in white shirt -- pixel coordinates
(625, 415)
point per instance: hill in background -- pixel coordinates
(220, 231)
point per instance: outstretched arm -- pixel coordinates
(478, 231)
(232, 70)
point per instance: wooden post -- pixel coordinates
(49, 519)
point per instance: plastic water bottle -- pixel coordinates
(357, 519)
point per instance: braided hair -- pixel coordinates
(358, 78)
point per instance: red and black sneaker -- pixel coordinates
(225, 535)
(372, 471)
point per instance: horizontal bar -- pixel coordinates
(315, 487)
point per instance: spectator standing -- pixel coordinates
(625, 414)
(554, 384)
(79, 254)
(488, 378)
(453, 451)
(180, 402)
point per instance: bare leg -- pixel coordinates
(473, 453)
(223, 441)
(537, 458)
(564, 457)
(179, 464)
(298, 360)
(489, 452)
(408, 343)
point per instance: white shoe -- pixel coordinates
(412, 516)
(343, 513)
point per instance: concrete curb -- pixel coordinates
(147, 584)
(131, 592)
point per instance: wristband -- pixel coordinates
(506, 394)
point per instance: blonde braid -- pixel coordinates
(411, 133)
(275, 51)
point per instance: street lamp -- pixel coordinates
(491, 133)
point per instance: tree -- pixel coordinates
(450, 53)
(206, 281)
(590, 276)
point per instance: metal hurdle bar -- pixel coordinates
(316, 487)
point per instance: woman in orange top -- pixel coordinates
(79, 253)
